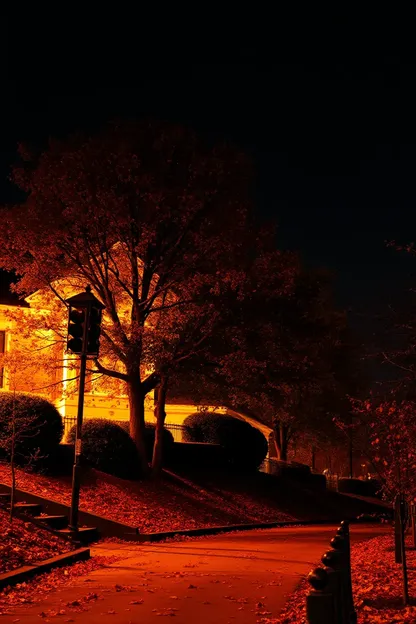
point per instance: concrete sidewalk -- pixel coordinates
(239, 577)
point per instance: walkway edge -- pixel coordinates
(111, 528)
(24, 573)
(162, 535)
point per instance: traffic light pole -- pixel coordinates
(85, 313)
(76, 476)
(350, 450)
(76, 472)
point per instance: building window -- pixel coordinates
(2, 350)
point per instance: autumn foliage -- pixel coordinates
(159, 223)
(153, 219)
(391, 427)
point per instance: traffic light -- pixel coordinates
(84, 308)
(76, 330)
(94, 332)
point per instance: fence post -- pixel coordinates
(397, 531)
(339, 544)
(335, 559)
(344, 531)
(413, 522)
(320, 604)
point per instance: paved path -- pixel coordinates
(235, 578)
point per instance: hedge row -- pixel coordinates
(34, 424)
(245, 446)
(149, 437)
(360, 487)
(107, 445)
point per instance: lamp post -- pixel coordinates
(84, 326)
(351, 449)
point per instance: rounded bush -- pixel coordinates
(245, 446)
(317, 481)
(38, 426)
(59, 462)
(292, 470)
(199, 457)
(108, 447)
(149, 438)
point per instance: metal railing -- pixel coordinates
(176, 430)
(332, 482)
(272, 467)
(69, 422)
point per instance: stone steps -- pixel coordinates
(58, 524)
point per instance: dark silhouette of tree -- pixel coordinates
(139, 212)
(196, 349)
(278, 356)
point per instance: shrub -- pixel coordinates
(38, 425)
(108, 447)
(245, 446)
(359, 486)
(149, 438)
(317, 481)
(198, 456)
(292, 470)
(59, 461)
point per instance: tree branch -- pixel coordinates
(107, 371)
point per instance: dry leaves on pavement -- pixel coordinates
(35, 590)
(377, 583)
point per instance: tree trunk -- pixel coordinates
(12, 458)
(350, 456)
(160, 414)
(12, 466)
(281, 439)
(137, 423)
(313, 457)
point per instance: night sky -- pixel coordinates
(331, 131)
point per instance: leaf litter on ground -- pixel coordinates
(23, 543)
(377, 586)
(35, 590)
(163, 506)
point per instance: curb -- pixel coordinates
(111, 528)
(157, 537)
(26, 572)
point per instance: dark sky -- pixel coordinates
(330, 126)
